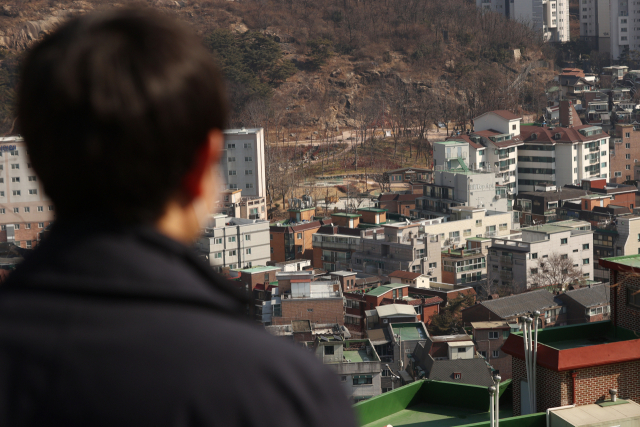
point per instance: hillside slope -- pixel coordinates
(341, 63)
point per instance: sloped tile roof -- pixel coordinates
(520, 304)
(590, 297)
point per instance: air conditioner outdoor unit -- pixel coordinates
(497, 196)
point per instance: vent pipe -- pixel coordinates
(614, 394)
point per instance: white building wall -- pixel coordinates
(243, 164)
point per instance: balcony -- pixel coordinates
(504, 168)
(592, 149)
(503, 156)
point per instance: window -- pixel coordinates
(586, 245)
(232, 253)
(585, 261)
(386, 373)
(328, 350)
(462, 349)
(231, 239)
(16, 210)
(495, 353)
(457, 375)
(248, 251)
(247, 145)
(433, 264)
(233, 186)
(617, 174)
(627, 156)
(232, 172)
(627, 145)
(298, 235)
(33, 191)
(300, 249)
(505, 335)
(362, 379)
(27, 209)
(217, 255)
(627, 167)
(217, 240)
(28, 244)
(40, 208)
(343, 378)
(15, 179)
(563, 241)
(16, 226)
(627, 134)
(534, 271)
(14, 152)
(483, 354)
(32, 178)
(564, 256)
(15, 166)
(271, 250)
(40, 224)
(270, 236)
(249, 185)
(231, 145)
(16, 192)
(2, 211)
(231, 159)
(493, 335)
(248, 159)
(534, 256)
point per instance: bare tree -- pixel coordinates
(555, 272)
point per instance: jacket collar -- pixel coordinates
(106, 260)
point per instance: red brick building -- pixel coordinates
(579, 364)
(625, 153)
(316, 310)
(398, 203)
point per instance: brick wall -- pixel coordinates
(277, 246)
(483, 343)
(624, 315)
(317, 310)
(592, 384)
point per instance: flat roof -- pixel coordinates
(410, 331)
(372, 210)
(348, 215)
(478, 239)
(563, 347)
(627, 262)
(440, 415)
(460, 343)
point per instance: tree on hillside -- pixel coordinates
(555, 272)
(449, 320)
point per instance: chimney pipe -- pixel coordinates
(614, 394)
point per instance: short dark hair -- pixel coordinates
(114, 107)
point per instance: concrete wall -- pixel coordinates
(241, 159)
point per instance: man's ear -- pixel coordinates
(206, 156)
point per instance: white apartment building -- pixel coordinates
(595, 23)
(512, 261)
(243, 162)
(495, 143)
(235, 242)
(24, 208)
(551, 17)
(625, 26)
(562, 156)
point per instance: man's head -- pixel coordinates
(122, 115)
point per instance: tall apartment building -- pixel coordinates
(243, 164)
(512, 262)
(595, 24)
(24, 208)
(625, 153)
(235, 242)
(625, 35)
(549, 17)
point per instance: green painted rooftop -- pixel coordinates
(376, 292)
(627, 260)
(424, 414)
(372, 210)
(348, 215)
(582, 335)
(410, 331)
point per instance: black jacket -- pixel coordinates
(109, 326)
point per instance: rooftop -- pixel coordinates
(401, 274)
(372, 210)
(348, 215)
(561, 348)
(410, 331)
(381, 290)
(516, 305)
(629, 263)
(441, 403)
(395, 309)
(590, 296)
